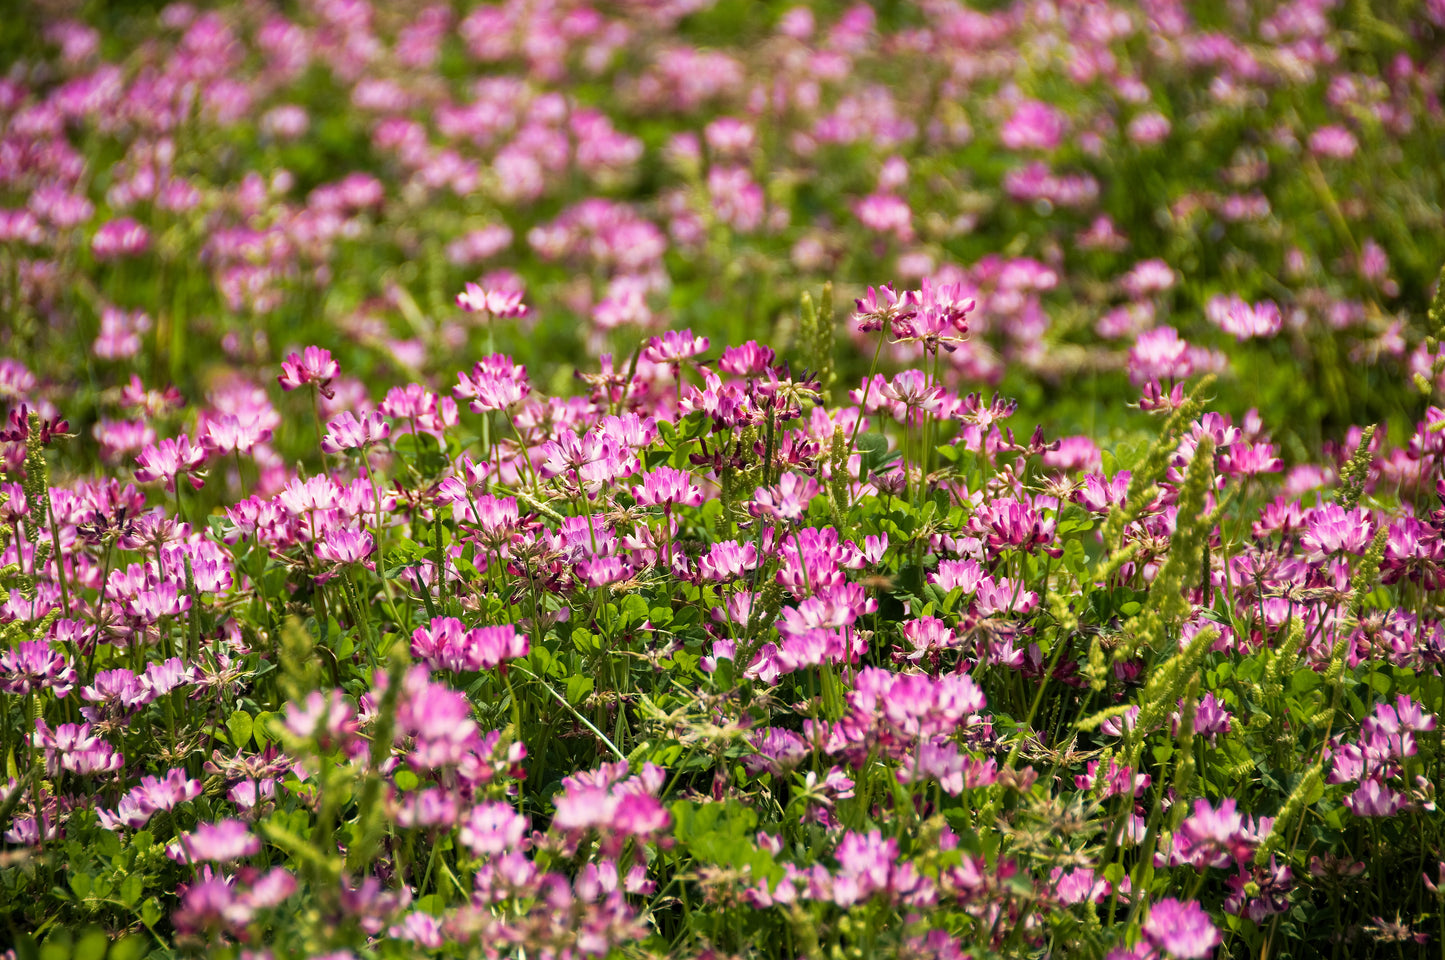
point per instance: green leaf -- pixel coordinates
(872, 448)
(56, 946)
(131, 889)
(578, 688)
(261, 729)
(91, 945)
(150, 912)
(129, 948)
(239, 724)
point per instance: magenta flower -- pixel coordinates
(490, 647)
(910, 393)
(747, 360)
(667, 486)
(1033, 126)
(346, 432)
(1148, 128)
(495, 384)
(879, 308)
(73, 747)
(171, 459)
(1210, 718)
(1182, 930)
(496, 516)
(118, 691)
(151, 796)
(120, 333)
(172, 674)
(119, 238)
(1007, 523)
(328, 718)
(218, 842)
(787, 500)
(313, 365)
(343, 546)
(1148, 277)
(1374, 799)
(1159, 354)
(1212, 837)
(674, 346)
(165, 599)
(1332, 529)
(492, 828)
(446, 644)
(938, 318)
(228, 432)
(886, 213)
(1334, 142)
(728, 560)
(1242, 320)
(120, 437)
(32, 665)
(497, 302)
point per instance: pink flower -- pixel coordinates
(938, 318)
(330, 719)
(153, 795)
(878, 308)
(1148, 277)
(1249, 460)
(747, 360)
(490, 647)
(119, 437)
(346, 432)
(1007, 523)
(886, 213)
(737, 199)
(1182, 930)
(1373, 799)
(495, 384)
(119, 238)
(1333, 141)
(1333, 530)
(120, 690)
(32, 665)
(787, 500)
(74, 747)
(1033, 126)
(666, 486)
(229, 432)
(1243, 321)
(497, 302)
(120, 332)
(1149, 128)
(312, 365)
(728, 560)
(1213, 837)
(674, 346)
(343, 546)
(171, 459)
(1159, 354)
(217, 842)
(492, 828)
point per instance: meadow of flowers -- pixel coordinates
(721, 479)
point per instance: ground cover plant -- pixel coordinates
(674, 478)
